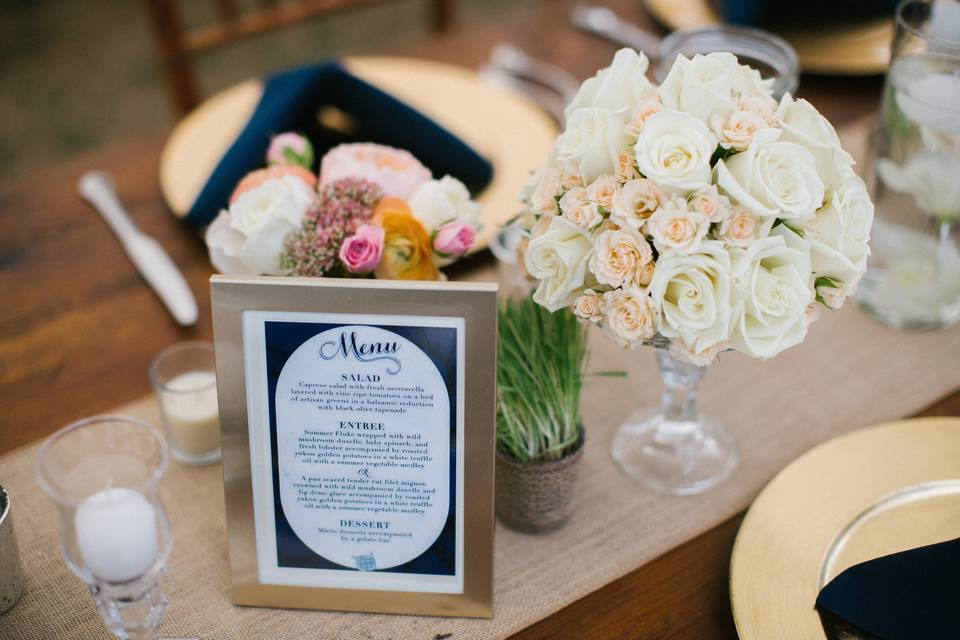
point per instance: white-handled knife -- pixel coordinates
(147, 255)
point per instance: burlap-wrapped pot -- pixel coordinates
(536, 497)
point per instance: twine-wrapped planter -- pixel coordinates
(536, 497)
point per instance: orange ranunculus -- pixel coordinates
(258, 177)
(407, 253)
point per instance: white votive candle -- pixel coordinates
(117, 534)
(190, 409)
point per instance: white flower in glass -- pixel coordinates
(933, 179)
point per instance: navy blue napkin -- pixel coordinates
(903, 596)
(777, 13)
(291, 101)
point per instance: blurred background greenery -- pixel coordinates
(78, 73)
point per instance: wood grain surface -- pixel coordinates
(78, 326)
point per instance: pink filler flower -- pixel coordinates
(397, 172)
(361, 252)
(454, 239)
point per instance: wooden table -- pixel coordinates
(78, 326)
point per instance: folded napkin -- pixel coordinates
(904, 596)
(775, 13)
(291, 101)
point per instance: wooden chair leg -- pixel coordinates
(176, 65)
(442, 15)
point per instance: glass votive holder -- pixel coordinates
(769, 54)
(184, 380)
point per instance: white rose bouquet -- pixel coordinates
(700, 215)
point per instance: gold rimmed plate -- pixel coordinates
(503, 126)
(860, 496)
(842, 49)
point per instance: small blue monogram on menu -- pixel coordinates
(348, 346)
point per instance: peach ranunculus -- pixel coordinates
(736, 130)
(626, 168)
(708, 201)
(395, 171)
(589, 306)
(676, 228)
(256, 178)
(629, 316)
(407, 252)
(575, 205)
(602, 190)
(741, 228)
(644, 109)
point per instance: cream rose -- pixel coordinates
(773, 288)
(248, 239)
(619, 257)
(575, 206)
(677, 229)
(543, 199)
(592, 142)
(674, 150)
(626, 168)
(700, 86)
(772, 178)
(802, 124)
(602, 190)
(741, 228)
(736, 130)
(635, 202)
(558, 258)
(641, 113)
(709, 202)
(618, 87)
(589, 306)
(692, 296)
(437, 202)
(629, 316)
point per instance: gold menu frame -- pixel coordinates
(475, 303)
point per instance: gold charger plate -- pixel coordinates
(504, 127)
(848, 49)
(863, 495)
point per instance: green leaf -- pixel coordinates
(826, 281)
(720, 153)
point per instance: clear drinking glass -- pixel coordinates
(913, 277)
(672, 448)
(184, 380)
(102, 473)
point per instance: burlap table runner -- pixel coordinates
(851, 372)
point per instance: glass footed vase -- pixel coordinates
(671, 448)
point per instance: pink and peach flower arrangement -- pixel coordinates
(373, 211)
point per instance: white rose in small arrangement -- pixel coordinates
(701, 215)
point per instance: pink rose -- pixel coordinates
(360, 253)
(454, 239)
(395, 171)
(290, 148)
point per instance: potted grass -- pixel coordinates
(540, 366)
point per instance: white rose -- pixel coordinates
(677, 229)
(803, 124)
(700, 86)
(619, 257)
(437, 202)
(629, 316)
(618, 87)
(248, 239)
(543, 199)
(773, 288)
(635, 202)
(839, 232)
(575, 205)
(674, 150)
(558, 258)
(692, 296)
(592, 142)
(772, 178)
